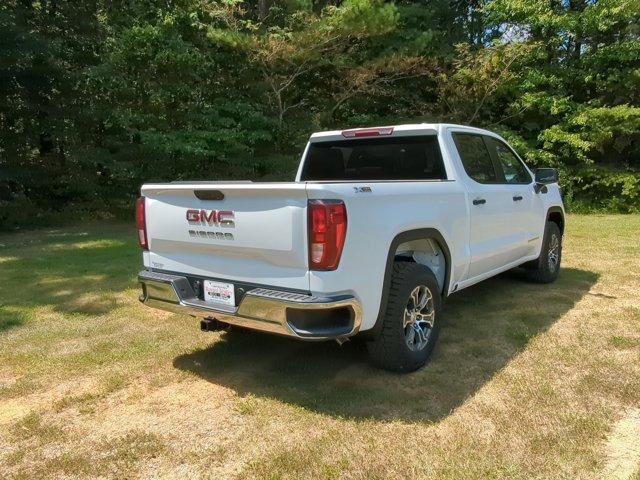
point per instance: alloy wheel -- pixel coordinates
(553, 255)
(419, 317)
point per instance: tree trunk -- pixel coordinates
(263, 9)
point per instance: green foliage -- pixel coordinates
(597, 189)
(361, 18)
(98, 97)
(590, 133)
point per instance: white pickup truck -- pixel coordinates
(378, 228)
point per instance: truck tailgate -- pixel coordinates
(244, 232)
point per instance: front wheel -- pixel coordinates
(546, 267)
(411, 322)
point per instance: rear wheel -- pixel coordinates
(411, 323)
(546, 267)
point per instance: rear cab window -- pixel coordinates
(371, 159)
(475, 157)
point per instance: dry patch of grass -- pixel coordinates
(527, 381)
(85, 401)
(623, 447)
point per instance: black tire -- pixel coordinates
(544, 269)
(389, 349)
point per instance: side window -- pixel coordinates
(475, 157)
(512, 168)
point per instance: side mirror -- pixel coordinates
(545, 176)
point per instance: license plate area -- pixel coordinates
(221, 293)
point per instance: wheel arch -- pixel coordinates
(556, 215)
(403, 237)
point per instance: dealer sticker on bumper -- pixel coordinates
(219, 292)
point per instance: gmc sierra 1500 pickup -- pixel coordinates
(378, 228)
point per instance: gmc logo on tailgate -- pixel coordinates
(212, 217)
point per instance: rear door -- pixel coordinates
(493, 240)
(244, 232)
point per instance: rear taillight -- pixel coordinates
(327, 230)
(141, 223)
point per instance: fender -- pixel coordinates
(407, 237)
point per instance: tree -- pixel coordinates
(97, 97)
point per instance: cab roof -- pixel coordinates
(390, 130)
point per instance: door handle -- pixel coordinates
(517, 198)
(479, 201)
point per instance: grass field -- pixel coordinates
(527, 381)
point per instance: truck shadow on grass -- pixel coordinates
(485, 327)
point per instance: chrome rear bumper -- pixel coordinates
(293, 314)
